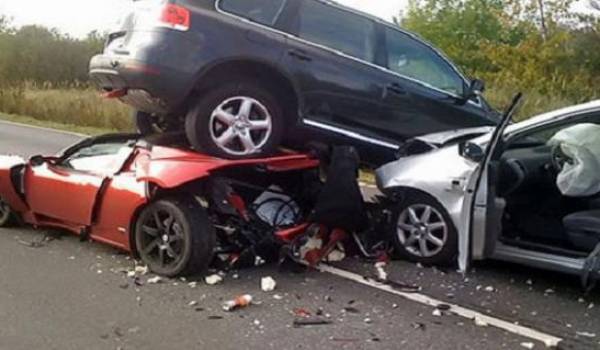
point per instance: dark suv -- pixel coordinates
(244, 76)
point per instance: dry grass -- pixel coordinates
(71, 106)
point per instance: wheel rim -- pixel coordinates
(422, 230)
(4, 211)
(241, 126)
(162, 241)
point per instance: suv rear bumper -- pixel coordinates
(144, 83)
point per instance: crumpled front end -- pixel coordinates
(442, 174)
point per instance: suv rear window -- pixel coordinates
(338, 29)
(260, 11)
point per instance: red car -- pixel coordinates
(173, 208)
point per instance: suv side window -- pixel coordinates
(411, 58)
(337, 29)
(260, 11)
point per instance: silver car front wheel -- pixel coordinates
(422, 230)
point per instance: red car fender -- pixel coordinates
(7, 190)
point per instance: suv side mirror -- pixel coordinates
(471, 151)
(476, 88)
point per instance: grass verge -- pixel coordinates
(86, 130)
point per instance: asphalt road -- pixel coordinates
(64, 294)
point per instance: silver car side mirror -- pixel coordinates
(471, 151)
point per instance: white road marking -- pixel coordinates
(2, 121)
(547, 339)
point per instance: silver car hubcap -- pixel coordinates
(4, 211)
(422, 230)
(241, 126)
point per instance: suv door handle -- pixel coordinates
(396, 89)
(300, 55)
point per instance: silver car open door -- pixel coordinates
(481, 211)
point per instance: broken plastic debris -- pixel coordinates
(267, 284)
(277, 297)
(258, 261)
(336, 255)
(193, 284)
(528, 345)
(586, 334)
(300, 312)
(213, 279)
(437, 313)
(192, 303)
(154, 280)
(381, 273)
(238, 303)
(310, 321)
(141, 269)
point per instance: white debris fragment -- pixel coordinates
(394, 306)
(490, 289)
(549, 291)
(256, 322)
(591, 306)
(586, 334)
(381, 273)
(141, 270)
(480, 322)
(131, 274)
(155, 280)
(277, 297)
(192, 303)
(71, 258)
(268, 284)
(258, 261)
(336, 255)
(437, 313)
(213, 279)
(368, 320)
(528, 345)
(193, 284)
(529, 282)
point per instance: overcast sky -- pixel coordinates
(78, 17)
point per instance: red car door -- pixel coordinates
(62, 194)
(67, 189)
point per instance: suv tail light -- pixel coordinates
(175, 17)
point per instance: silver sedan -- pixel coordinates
(486, 193)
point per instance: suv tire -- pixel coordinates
(236, 121)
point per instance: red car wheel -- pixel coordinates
(6, 214)
(174, 237)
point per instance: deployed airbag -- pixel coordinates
(581, 143)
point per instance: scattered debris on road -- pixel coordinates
(238, 303)
(268, 284)
(213, 279)
(154, 280)
(528, 345)
(311, 321)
